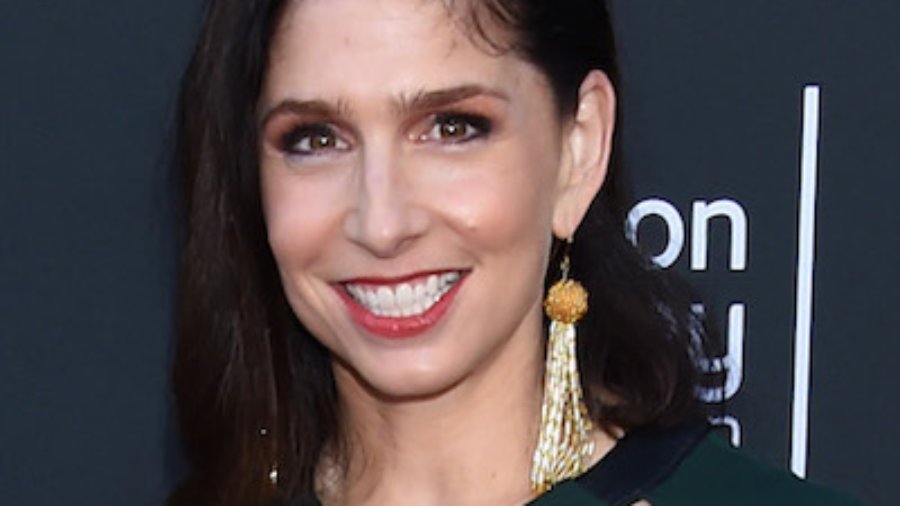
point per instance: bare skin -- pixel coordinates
(387, 188)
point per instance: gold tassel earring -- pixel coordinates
(565, 445)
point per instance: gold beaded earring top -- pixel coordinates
(567, 300)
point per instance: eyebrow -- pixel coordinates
(420, 101)
(423, 101)
(310, 107)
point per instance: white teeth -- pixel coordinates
(371, 299)
(419, 293)
(432, 285)
(403, 299)
(386, 299)
(404, 294)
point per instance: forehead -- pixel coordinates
(363, 47)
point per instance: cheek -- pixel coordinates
(298, 219)
(507, 202)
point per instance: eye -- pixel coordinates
(456, 128)
(312, 140)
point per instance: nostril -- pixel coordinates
(385, 224)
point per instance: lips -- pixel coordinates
(400, 307)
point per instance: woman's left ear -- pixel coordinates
(586, 147)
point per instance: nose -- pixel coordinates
(385, 217)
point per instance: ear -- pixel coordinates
(586, 147)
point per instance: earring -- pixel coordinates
(272, 475)
(564, 445)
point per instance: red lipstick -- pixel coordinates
(399, 327)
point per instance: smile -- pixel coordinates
(401, 308)
(406, 299)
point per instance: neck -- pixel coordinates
(470, 444)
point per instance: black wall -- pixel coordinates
(86, 255)
(714, 109)
(713, 94)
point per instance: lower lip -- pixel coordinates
(400, 327)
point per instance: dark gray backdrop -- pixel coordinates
(713, 94)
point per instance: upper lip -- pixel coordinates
(393, 280)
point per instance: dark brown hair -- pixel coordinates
(253, 387)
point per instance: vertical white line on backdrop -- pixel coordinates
(805, 263)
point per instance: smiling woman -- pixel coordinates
(376, 195)
(404, 163)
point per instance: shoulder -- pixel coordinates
(716, 473)
(685, 466)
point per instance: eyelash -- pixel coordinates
(474, 127)
(298, 141)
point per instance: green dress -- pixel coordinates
(685, 466)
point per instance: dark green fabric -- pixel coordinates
(713, 474)
(568, 493)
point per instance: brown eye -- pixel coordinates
(322, 141)
(312, 140)
(453, 128)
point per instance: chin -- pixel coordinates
(405, 383)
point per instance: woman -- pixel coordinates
(377, 193)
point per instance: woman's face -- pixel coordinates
(409, 182)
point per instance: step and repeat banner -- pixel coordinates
(763, 143)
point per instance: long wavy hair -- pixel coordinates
(254, 388)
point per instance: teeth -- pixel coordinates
(371, 300)
(419, 293)
(431, 285)
(403, 299)
(386, 299)
(404, 295)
